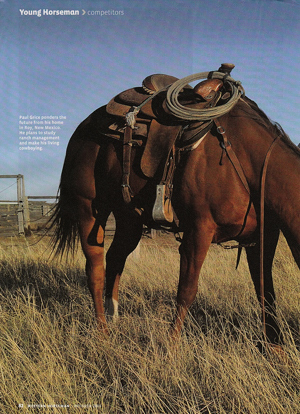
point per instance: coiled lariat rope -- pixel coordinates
(193, 114)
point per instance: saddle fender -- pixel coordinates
(161, 139)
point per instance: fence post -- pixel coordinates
(25, 206)
(20, 205)
(23, 209)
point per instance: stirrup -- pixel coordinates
(162, 210)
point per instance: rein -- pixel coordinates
(262, 224)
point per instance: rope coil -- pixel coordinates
(193, 114)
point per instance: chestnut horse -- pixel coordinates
(209, 198)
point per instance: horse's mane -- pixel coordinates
(252, 110)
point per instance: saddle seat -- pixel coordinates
(124, 101)
(156, 82)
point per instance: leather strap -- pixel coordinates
(226, 146)
(167, 180)
(169, 169)
(127, 144)
(262, 230)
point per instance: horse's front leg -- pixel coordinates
(193, 251)
(128, 233)
(271, 235)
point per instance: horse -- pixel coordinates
(213, 199)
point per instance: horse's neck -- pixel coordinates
(282, 194)
(283, 179)
(252, 143)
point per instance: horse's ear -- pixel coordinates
(207, 88)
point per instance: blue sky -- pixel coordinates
(70, 65)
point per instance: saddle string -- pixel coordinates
(130, 116)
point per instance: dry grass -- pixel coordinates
(51, 353)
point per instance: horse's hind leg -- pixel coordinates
(128, 233)
(91, 228)
(81, 159)
(253, 254)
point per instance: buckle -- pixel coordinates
(221, 130)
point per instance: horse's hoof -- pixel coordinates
(174, 335)
(103, 328)
(276, 354)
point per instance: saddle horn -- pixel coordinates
(226, 68)
(208, 88)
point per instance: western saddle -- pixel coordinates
(141, 116)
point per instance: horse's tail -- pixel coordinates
(65, 225)
(64, 219)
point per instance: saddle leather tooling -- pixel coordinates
(154, 126)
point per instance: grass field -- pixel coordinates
(53, 360)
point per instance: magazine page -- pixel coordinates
(184, 121)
